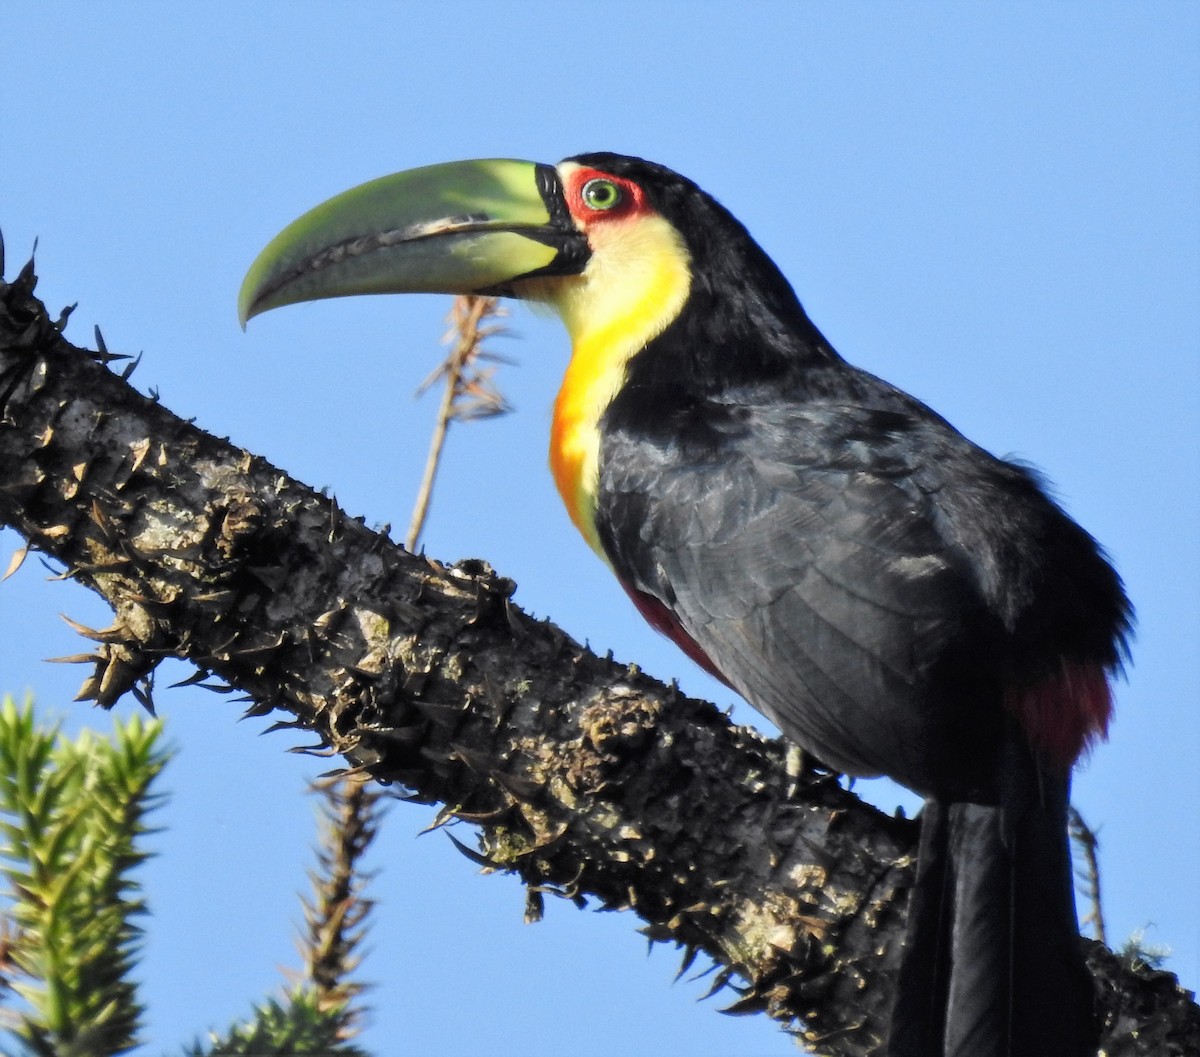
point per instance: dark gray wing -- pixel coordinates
(796, 546)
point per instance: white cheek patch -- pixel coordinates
(634, 285)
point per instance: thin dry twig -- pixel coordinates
(1088, 843)
(469, 392)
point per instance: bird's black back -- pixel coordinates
(860, 571)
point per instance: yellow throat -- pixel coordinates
(634, 286)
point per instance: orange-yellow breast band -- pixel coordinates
(635, 285)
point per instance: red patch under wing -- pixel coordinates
(1065, 713)
(1061, 715)
(662, 620)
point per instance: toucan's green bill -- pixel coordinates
(462, 227)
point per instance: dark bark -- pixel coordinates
(586, 778)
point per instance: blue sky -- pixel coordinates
(994, 206)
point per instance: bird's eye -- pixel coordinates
(601, 194)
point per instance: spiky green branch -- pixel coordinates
(72, 815)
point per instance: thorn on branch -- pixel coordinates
(132, 366)
(121, 668)
(17, 560)
(102, 356)
(474, 856)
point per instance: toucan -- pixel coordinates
(895, 598)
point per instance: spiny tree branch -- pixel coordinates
(586, 778)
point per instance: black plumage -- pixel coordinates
(895, 598)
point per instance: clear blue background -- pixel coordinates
(993, 205)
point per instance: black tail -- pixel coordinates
(993, 965)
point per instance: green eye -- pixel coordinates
(601, 194)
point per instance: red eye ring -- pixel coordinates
(595, 196)
(601, 194)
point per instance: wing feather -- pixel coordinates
(808, 566)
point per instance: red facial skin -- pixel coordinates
(632, 203)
